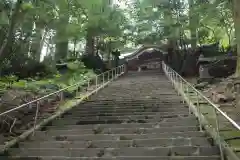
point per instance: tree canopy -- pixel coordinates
(50, 30)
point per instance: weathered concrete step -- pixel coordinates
(121, 111)
(96, 131)
(132, 106)
(130, 125)
(125, 158)
(102, 101)
(137, 107)
(92, 137)
(145, 95)
(126, 100)
(121, 143)
(106, 121)
(115, 119)
(61, 123)
(138, 115)
(115, 113)
(112, 152)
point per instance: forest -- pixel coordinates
(38, 36)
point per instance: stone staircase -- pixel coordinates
(137, 117)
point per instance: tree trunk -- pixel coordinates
(89, 42)
(61, 34)
(5, 47)
(42, 42)
(61, 43)
(109, 54)
(236, 17)
(74, 48)
(192, 24)
(36, 43)
(2, 35)
(61, 49)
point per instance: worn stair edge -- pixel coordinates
(204, 123)
(130, 158)
(9, 144)
(89, 137)
(147, 142)
(120, 130)
(129, 125)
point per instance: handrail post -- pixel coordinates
(96, 82)
(183, 90)
(218, 134)
(198, 112)
(188, 99)
(103, 78)
(172, 77)
(88, 85)
(77, 90)
(178, 85)
(61, 96)
(117, 71)
(175, 80)
(35, 118)
(112, 75)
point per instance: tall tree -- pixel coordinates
(236, 15)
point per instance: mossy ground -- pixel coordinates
(227, 132)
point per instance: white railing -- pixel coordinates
(10, 118)
(209, 115)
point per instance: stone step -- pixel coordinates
(160, 107)
(61, 122)
(123, 111)
(139, 115)
(89, 137)
(124, 101)
(117, 120)
(121, 143)
(130, 125)
(123, 158)
(131, 107)
(131, 99)
(113, 152)
(142, 101)
(128, 120)
(115, 113)
(96, 131)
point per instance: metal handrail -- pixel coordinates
(207, 99)
(180, 85)
(50, 94)
(115, 72)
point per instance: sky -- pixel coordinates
(121, 3)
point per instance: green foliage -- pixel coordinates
(26, 6)
(76, 65)
(20, 84)
(55, 25)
